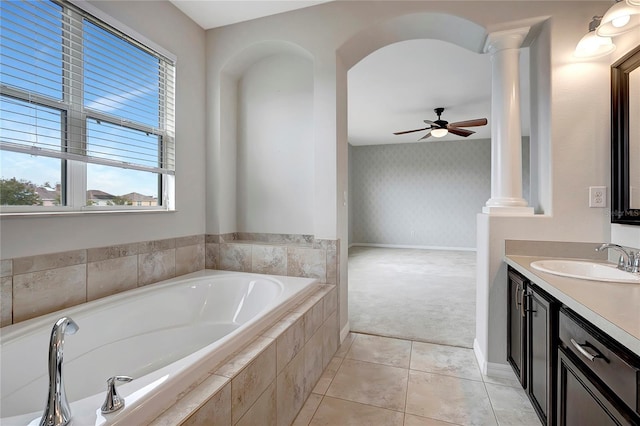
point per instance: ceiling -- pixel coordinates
(394, 88)
(217, 13)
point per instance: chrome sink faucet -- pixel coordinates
(57, 412)
(632, 261)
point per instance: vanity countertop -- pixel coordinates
(612, 307)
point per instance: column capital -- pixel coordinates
(506, 39)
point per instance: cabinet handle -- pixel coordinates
(516, 297)
(522, 303)
(591, 357)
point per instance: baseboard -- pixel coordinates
(344, 332)
(492, 369)
(482, 363)
(412, 247)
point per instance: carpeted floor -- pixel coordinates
(424, 295)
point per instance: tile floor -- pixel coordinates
(375, 380)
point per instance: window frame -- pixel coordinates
(73, 173)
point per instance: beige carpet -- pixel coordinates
(424, 295)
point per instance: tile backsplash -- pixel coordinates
(36, 285)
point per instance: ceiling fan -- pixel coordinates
(440, 127)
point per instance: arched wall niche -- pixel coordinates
(266, 129)
(428, 25)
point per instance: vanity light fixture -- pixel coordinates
(439, 133)
(620, 18)
(592, 45)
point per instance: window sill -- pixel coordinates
(8, 215)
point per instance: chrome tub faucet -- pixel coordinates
(57, 412)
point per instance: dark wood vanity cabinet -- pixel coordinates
(531, 337)
(516, 324)
(580, 401)
(541, 355)
(574, 374)
(598, 379)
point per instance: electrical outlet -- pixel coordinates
(597, 196)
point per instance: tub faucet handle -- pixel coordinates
(113, 401)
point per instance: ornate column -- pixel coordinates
(506, 135)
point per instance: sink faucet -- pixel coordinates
(632, 261)
(57, 412)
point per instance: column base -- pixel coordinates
(508, 210)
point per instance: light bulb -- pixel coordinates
(438, 133)
(593, 46)
(621, 21)
(621, 17)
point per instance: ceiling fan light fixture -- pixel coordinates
(623, 16)
(439, 133)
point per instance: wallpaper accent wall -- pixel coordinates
(421, 194)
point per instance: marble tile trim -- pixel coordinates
(37, 285)
(280, 254)
(24, 265)
(244, 389)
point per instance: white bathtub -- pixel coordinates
(166, 336)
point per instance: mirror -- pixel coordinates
(625, 139)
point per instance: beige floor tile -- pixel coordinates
(346, 345)
(447, 360)
(511, 406)
(334, 412)
(449, 399)
(327, 376)
(308, 410)
(368, 383)
(504, 381)
(411, 420)
(381, 350)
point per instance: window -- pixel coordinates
(87, 113)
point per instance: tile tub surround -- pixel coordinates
(36, 285)
(269, 380)
(279, 254)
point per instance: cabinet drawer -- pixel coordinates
(618, 370)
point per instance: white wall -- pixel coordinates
(165, 25)
(275, 161)
(571, 143)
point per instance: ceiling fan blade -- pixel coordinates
(470, 123)
(459, 132)
(425, 136)
(429, 122)
(411, 131)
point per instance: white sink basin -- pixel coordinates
(585, 270)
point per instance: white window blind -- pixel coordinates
(76, 89)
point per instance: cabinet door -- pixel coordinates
(540, 351)
(515, 325)
(580, 403)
